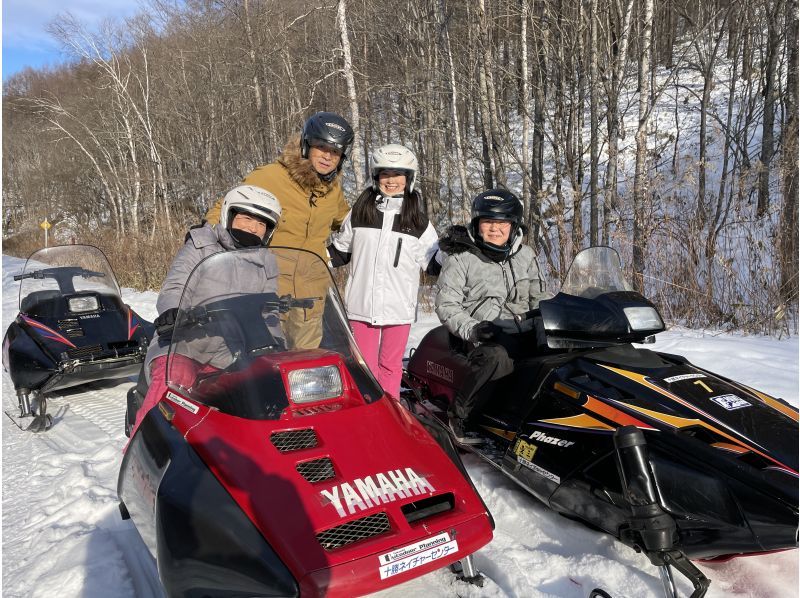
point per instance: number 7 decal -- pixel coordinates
(703, 384)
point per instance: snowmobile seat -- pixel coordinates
(43, 303)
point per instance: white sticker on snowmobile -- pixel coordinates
(417, 560)
(730, 402)
(384, 488)
(180, 401)
(412, 549)
(672, 379)
(542, 472)
(542, 437)
(439, 370)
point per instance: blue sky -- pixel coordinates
(25, 39)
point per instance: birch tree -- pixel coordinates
(640, 184)
(355, 152)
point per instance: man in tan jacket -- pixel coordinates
(305, 179)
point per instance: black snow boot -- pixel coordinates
(457, 429)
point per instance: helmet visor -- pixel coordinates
(327, 146)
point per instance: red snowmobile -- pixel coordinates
(271, 471)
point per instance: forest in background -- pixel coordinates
(667, 130)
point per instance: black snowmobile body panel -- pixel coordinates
(725, 469)
(205, 545)
(722, 458)
(68, 336)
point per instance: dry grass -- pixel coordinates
(139, 262)
(744, 295)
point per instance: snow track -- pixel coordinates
(60, 502)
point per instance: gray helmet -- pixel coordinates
(394, 157)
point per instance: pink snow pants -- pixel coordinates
(383, 348)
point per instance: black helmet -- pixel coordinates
(330, 129)
(497, 204)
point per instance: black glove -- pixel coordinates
(484, 332)
(165, 322)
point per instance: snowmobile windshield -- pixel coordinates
(596, 306)
(595, 271)
(230, 349)
(76, 277)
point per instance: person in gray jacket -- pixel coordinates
(249, 216)
(488, 287)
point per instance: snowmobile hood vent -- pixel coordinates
(294, 440)
(316, 470)
(427, 507)
(353, 531)
(81, 352)
(71, 327)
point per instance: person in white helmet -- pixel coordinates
(388, 240)
(249, 216)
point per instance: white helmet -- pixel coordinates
(394, 157)
(254, 201)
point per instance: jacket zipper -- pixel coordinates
(477, 307)
(397, 253)
(508, 294)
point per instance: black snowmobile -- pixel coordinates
(72, 328)
(669, 458)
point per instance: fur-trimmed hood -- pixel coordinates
(300, 169)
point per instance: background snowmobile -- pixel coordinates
(272, 472)
(72, 328)
(667, 457)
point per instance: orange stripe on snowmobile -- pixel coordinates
(683, 422)
(579, 421)
(775, 404)
(563, 388)
(671, 420)
(500, 432)
(615, 415)
(642, 379)
(725, 446)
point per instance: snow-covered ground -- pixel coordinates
(62, 533)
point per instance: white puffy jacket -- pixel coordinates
(385, 266)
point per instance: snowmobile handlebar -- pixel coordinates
(286, 302)
(203, 314)
(56, 272)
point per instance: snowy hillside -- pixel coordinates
(63, 535)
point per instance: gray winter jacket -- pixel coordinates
(200, 243)
(472, 288)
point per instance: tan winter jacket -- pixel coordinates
(311, 208)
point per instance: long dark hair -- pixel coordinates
(412, 212)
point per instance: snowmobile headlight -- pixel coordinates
(82, 304)
(315, 384)
(643, 318)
